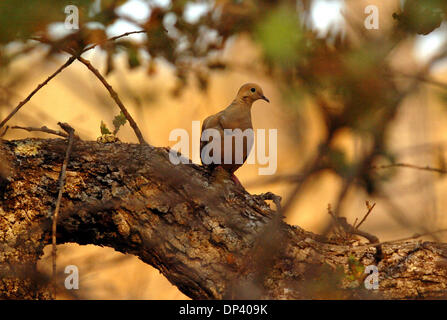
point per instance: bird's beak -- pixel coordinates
(265, 98)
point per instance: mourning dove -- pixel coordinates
(236, 116)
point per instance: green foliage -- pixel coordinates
(422, 16)
(118, 121)
(356, 270)
(104, 129)
(338, 161)
(281, 36)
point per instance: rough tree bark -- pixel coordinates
(209, 237)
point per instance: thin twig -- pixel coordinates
(402, 217)
(112, 39)
(355, 222)
(344, 227)
(28, 98)
(415, 236)
(339, 231)
(62, 176)
(43, 129)
(373, 240)
(59, 70)
(412, 166)
(424, 79)
(312, 168)
(370, 208)
(2, 134)
(278, 178)
(351, 230)
(115, 97)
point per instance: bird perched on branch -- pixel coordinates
(233, 125)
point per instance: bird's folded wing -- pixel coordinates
(212, 122)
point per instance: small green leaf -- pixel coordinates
(104, 129)
(118, 121)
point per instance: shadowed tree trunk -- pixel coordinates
(208, 236)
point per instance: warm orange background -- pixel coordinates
(76, 97)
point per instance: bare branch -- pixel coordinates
(59, 70)
(370, 209)
(116, 98)
(28, 98)
(112, 39)
(424, 79)
(61, 182)
(412, 166)
(2, 134)
(43, 129)
(415, 236)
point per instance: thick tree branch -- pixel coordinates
(202, 233)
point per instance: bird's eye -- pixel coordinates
(253, 90)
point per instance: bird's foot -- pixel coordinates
(221, 173)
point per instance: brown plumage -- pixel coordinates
(236, 116)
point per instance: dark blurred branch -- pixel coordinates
(411, 166)
(370, 209)
(112, 39)
(277, 178)
(3, 132)
(425, 79)
(403, 217)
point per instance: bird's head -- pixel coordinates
(250, 92)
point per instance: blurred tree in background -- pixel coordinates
(348, 77)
